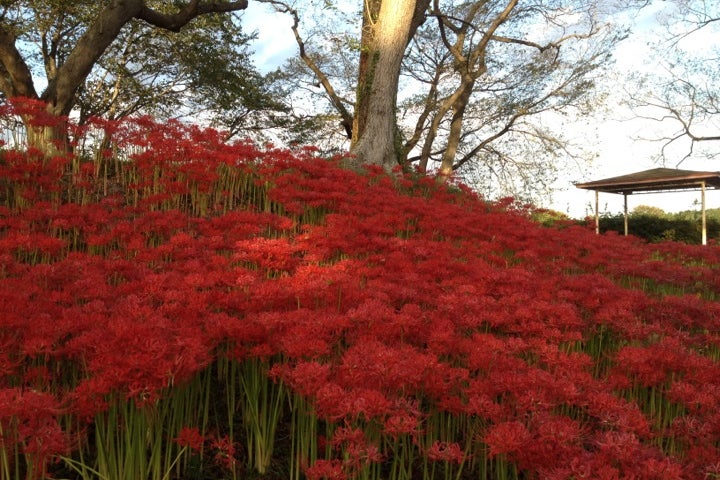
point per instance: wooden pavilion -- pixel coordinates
(655, 180)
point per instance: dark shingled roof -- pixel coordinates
(654, 180)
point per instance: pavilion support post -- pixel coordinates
(625, 195)
(704, 218)
(597, 211)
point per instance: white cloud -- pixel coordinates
(275, 42)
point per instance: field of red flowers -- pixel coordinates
(176, 307)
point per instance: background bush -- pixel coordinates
(654, 225)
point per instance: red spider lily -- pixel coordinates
(366, 403)
(305, 378)
(401, 423)
(224, 451)
(507, 438)
(29, 420)
(325, 470)
(610, 411)
(445, 452)
(190, 437)
(373, 364)
(404, 418)
(358, 453)
(555, 440)
(386, 303)
(329, 402)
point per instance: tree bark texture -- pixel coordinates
(388, 26)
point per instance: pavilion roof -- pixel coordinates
(654, 180)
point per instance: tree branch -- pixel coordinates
(60, 94)
(18, 82)
(335, 99)
(487, 141)
(174, 22)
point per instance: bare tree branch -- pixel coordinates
(337, 101)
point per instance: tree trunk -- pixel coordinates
(388, 26)
(469, 64)
(50, 139)
(453, 141)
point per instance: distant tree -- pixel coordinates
(655, 225)
(649, 211)
(552, 218)
(71, 38)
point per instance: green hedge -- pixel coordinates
(656, 229)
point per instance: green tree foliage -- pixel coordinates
(205, 69)
(648, 210)
(121, 57)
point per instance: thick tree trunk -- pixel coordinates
(50, 139)
(366, 69)
(388, 26)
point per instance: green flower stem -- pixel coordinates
(304, 425)
(262, 408)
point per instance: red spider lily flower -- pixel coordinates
(329, 401)
(348, 434)
(623, 447)
(224, 451)
(660, 469)
(30, 420)
(506, 438)
(359, 455)
(398, 368)
(445, 452)
(703, 460)
(325, 470)
(381, 300)
(365, 403)
(613, 412)
(305, 378)
(355, 446)
(402, 423)
(190, 437)
(270, 255)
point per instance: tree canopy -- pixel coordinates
(126, 56)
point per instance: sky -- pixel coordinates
(615, 134)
